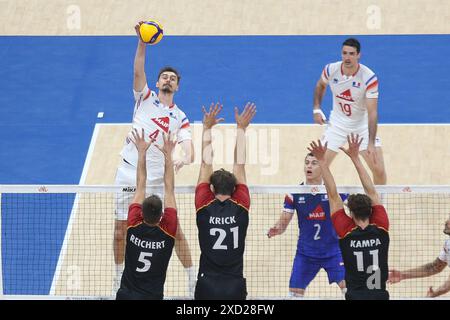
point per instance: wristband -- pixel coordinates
(319, 111)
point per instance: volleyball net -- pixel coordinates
(57, 241)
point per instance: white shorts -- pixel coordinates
(126, 177)
(337, 137)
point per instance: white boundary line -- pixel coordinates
(297, 124)
(73, 213)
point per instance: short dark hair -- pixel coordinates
(223, 182)
(310, 155)
(152, 209)
(352, 42)
(360, 205)
(170, 69)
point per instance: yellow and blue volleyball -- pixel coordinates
(151, 32)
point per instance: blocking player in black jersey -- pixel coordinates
(151, 231)
(222, 201)
(363, 238)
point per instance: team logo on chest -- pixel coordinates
(163, 123)
(346, 95)
(356, 84)
(317, 214)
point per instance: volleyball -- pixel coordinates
(151, 32)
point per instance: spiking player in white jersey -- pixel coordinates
(429, 269)
(156, 113)
(355, 101)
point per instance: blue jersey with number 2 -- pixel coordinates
(317, 238)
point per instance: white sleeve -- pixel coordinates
(326, 73)
(141, 94)
(184, 132)
(445, 253)
(371, 86)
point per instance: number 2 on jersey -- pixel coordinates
(346, 109)
(316, 236)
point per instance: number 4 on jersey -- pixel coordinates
(154, 134)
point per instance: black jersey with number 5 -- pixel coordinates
(222, 228)
(147, 255)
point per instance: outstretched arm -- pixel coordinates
(169, 181)
(140, 79)
(281, 225)
(141, 172)
(333, 196)
(209, 120)
(242, 121)
(353, 152)
(426, 270)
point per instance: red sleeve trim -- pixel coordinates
(241, 195)
(342, 223)
(372, 85)
(168, 222)
(134, 214)
(203, 195)
(186, 125)
(148, 94)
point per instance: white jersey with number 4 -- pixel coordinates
(349, 94)
(156, 119)
(445, 253)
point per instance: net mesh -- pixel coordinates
(58, 241)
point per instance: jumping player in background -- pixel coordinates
(429, 269)
(318, 245)
(151, 230)
(355, 108)
(156, 114)
(363, 238)
(222, 201)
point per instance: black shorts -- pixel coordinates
(367, 295)
(220, 287)
(127, 294)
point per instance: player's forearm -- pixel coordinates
(141, 177)
(426, 270)
(328, 180)
(207, 150)
(319, 93)
(240, 147)
(366, 181)
(139, 59)
(442, 289)
(373, 119)
(169, 180)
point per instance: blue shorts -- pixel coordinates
(306, 268)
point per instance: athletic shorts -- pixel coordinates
(126, 177)
(306, 268)
(337, 137)
(220, 287)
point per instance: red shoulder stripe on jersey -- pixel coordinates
(348, 232)
(372, 85)
(162, 229)
(325, 74)
(148, 94)
(374, 224)
(186, 125)
(240, 205)
(135, 225)
(205, 205)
